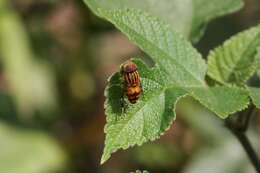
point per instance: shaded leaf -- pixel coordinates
(173, 76)
(180, 10)
(205, 11)
(255, 95)
(222, 100)
(258, 62)
(235, 61)
(143, 121)
(172, 53)
(186, 16)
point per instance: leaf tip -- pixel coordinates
(104, 158)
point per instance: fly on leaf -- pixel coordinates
(132, 81)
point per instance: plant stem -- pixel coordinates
(243, 139)
(244, 118)
(238, 127)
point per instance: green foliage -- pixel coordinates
(180, 10)
(222, 100)
(172, 53)
(258, 62)
(255, 95)
(205, 11)
(186, 16)
(27, 151)
(173, 76)
(179, 69)
(235, 61)
(143, 121)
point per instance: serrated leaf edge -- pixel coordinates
(176, 33)
(212, 54)
(146, 140)
(225, 115)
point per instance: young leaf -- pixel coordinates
(179, 69)
(234, 61)
(205, 11)
(222, 100)
(255, 95)
(189, 17)
(178, 13)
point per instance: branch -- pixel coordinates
(238, 127)
(243, 139)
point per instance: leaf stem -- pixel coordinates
(244, 118)
(243, 139)
(238, 127)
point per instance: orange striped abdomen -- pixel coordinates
(132, 81)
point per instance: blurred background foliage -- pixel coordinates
(55, 57)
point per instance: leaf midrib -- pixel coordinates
(152, 45)
(236, 64)
(160, 92)
(141, 107)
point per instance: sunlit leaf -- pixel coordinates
(174, 75)
(235, 61)
(143, 121)
(189, 17)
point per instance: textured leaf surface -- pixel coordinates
(186, 16)
(205, 11)
(222, 100)
(180, 11)
(255, 95)
(234, 61)
(171, 52)
(179, 69)
(143, 121)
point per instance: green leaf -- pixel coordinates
(234, 62)
(179, 70)
(205, 11)
(172, 53)
(222, 100)
(26, 151)
(143, 121)
(257, 58)
(189, 17)
(255, 95)
(180, 11)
